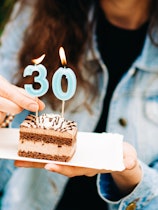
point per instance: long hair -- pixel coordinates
(57, 23)
(63, 23)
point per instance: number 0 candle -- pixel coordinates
(57, 78)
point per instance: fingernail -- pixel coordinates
(131, 163)
(49, 167)
(42, 104)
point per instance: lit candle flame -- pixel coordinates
(62, 56)
(38, 60)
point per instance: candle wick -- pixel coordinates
(63, 106)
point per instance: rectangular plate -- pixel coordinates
(94, 150)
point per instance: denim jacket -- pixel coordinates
(134, 102)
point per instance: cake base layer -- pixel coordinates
(38, 155)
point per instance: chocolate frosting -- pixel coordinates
(48, 121)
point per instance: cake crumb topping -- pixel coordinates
(49, 121)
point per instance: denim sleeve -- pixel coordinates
(145, 194)
(6, 169)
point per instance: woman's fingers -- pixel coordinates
(32, 103)
(130, 156)
(2, 116)
(8, 106)
(17, 99)
(71, 171)
(26, 164)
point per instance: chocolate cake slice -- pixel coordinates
(48, 136)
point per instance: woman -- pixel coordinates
(112, 47)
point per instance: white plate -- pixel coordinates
(100, 151)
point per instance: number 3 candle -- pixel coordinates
(57, 78)
(41, 78)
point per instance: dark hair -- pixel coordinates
(63, 23)
(57, 23)
(5, 11)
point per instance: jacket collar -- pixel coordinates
(148, 60)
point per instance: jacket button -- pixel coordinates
(131, 206)
(123, 122)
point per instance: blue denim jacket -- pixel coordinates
(135, 100)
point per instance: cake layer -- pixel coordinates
(37, 155)
(67, 134)
(48, 136)
(40, 147)
(46, 151)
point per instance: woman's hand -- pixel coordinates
(130, 161)
(14, 99)
(125, 180)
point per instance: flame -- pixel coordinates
(62, 56)
(38, 60)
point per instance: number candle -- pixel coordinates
(41, 78)
(57, 78)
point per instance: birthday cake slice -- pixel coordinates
(48, 136)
